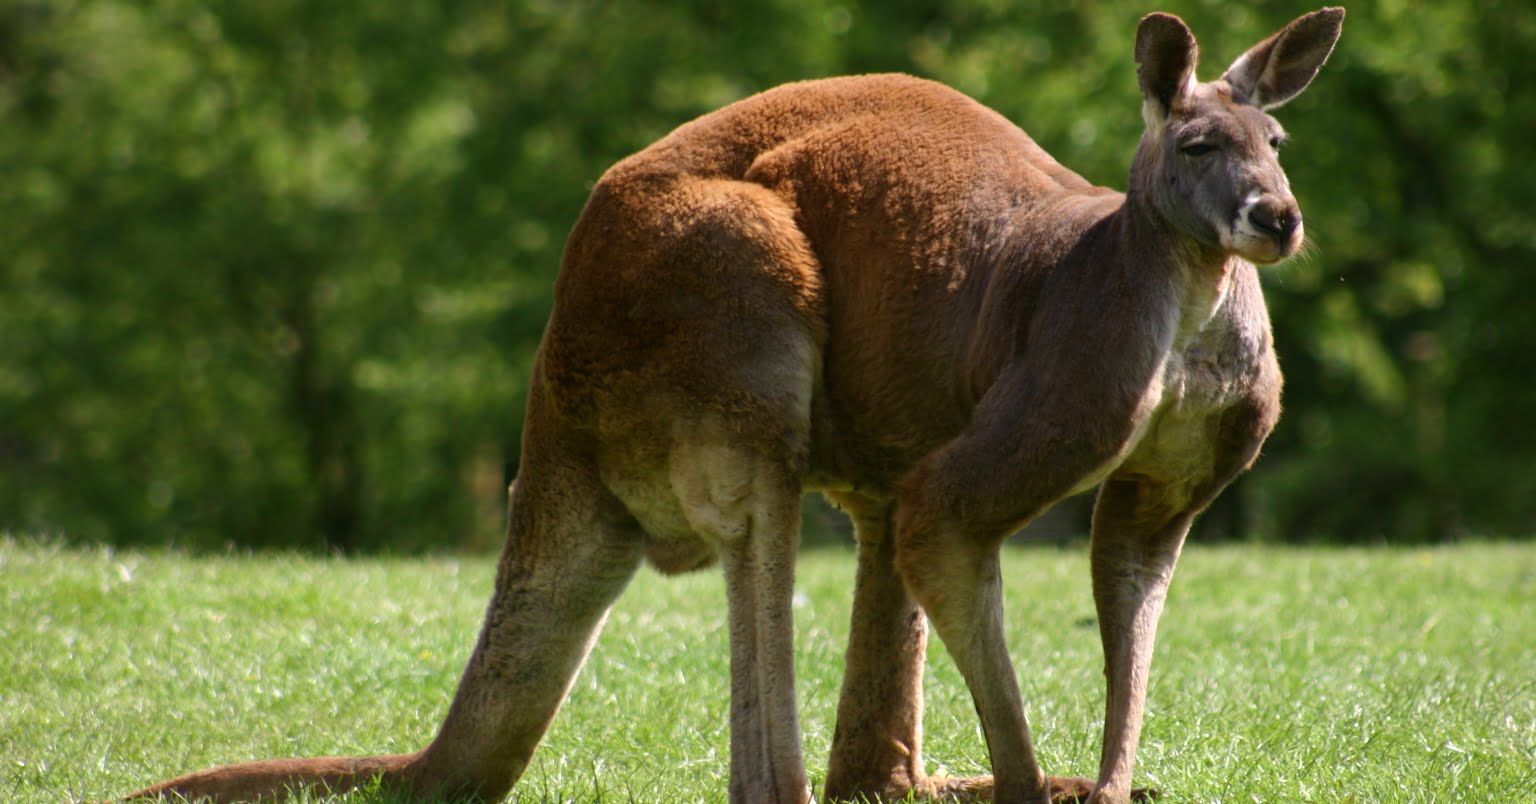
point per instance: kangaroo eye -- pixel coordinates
(1197, 149)
(1276, 142)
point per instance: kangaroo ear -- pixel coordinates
(1280, 67)
(1165, 56)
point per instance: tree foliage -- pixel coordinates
(273, 273)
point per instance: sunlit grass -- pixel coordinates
(1282, 674)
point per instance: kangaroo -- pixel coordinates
(876, 288)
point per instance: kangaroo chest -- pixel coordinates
(1225, 363)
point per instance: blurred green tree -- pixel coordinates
(273, 273)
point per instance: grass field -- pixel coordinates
(1282, 675)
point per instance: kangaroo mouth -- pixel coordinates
(1262, 240)
(1268, 250)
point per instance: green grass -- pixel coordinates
(1321, 675)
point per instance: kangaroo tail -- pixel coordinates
(274, 778)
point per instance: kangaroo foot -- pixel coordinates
(1076, 790)
(1064, 790)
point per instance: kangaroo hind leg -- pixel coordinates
(877, 743)
(747, 506)
(732, 490)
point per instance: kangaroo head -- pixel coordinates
(1209, 159)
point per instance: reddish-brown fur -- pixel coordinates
(877, 288)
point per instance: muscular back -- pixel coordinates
(918, 210)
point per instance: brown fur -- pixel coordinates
(877, 288)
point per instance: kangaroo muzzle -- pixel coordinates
(1267, 227)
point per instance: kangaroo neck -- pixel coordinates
(1075, 251)
(1147, 238)
(1191, 277)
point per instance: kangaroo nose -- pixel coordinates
(1276, 217)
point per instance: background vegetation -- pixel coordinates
(272, 273)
